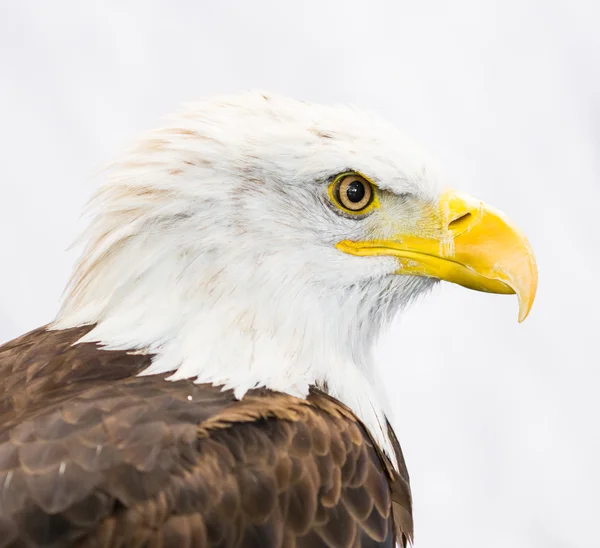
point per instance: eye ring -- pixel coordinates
(353, 192)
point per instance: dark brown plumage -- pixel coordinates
(92, 455)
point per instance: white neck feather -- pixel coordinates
(228, 327)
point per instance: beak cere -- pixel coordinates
(467, 243)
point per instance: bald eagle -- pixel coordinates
(209, 380)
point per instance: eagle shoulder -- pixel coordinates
(93, 455)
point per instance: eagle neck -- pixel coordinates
(286, 344)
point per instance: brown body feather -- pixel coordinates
(92, 455)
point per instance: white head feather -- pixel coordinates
(213, 248)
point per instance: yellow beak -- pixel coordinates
(467, 243)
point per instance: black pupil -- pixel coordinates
(355, 191)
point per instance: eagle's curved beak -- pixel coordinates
(474, 246)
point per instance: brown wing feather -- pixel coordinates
(93, 456)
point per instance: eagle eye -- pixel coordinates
(352, 192)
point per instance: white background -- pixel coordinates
(499, 421)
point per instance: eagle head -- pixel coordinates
(257, 240)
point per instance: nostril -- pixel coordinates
(460, 222)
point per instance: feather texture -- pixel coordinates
(93, 455)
